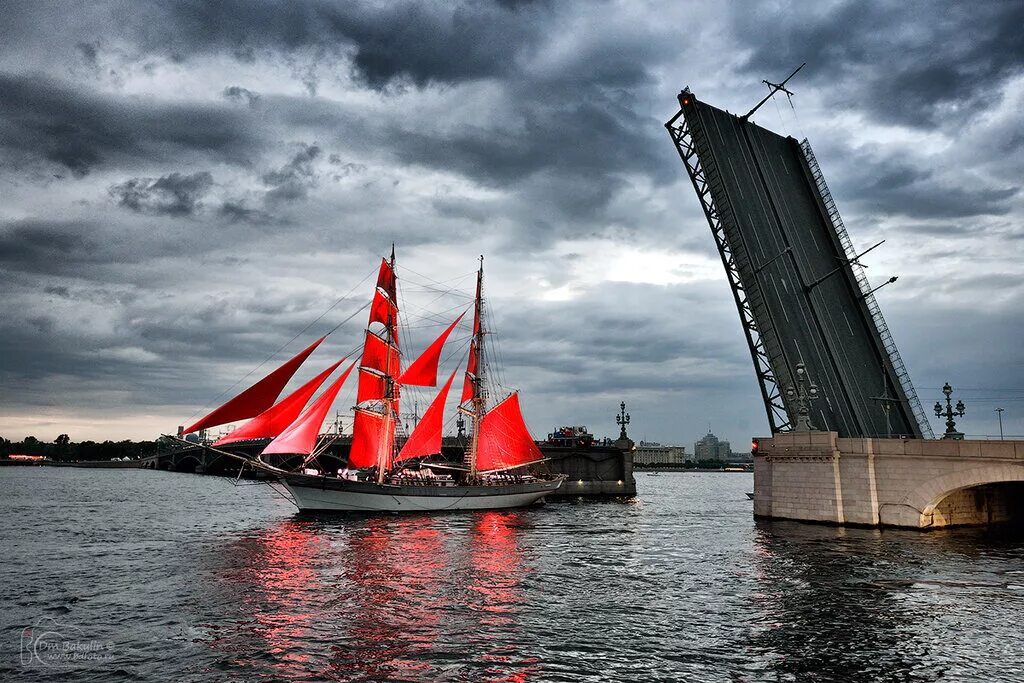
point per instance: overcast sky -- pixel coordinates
(187, 186)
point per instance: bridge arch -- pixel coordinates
(181, 462)
(979, 495)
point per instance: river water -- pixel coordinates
(151, 576)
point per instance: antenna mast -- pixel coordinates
(775, 87)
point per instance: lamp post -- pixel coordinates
(622, 419)
(999, 412)
(891, 280)
(949, 413)
(802, 394)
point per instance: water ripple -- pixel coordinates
(183, 577)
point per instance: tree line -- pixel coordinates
(63, 449)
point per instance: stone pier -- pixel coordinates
(913, 483)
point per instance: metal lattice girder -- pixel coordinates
(702, 178)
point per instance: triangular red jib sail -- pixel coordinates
(426, 438)
(373, 436)
(423, 371)
(504, 441)
(274, 420)
(300, 436)
(258, 397)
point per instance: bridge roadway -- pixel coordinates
(789, 241)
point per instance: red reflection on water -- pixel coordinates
(389, 598)
(397, 595)
(272, 579)
(498, 572)
(495, 558)
(288, 576)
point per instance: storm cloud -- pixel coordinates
(173, 195)
(190, 185)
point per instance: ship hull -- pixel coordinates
(323, 494)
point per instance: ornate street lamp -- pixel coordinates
(622, 419)
(802, 394)
(949, 413)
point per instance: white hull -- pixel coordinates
(339, 495)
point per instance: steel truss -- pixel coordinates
(687, 138)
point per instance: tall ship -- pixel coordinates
(387, 470)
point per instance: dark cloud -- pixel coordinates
(42, 246)
(409, 41)
(89, 52)
(240, 94)
(236, 211)
(52, 120)
(531, 132)
(41, 323)
(293, 180)
(912, 63)
(421, 43)
(172, 195)
(935, 200)
(443, 42)
(892, 186)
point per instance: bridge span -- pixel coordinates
(911, 483)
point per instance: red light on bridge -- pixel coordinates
(754, 446)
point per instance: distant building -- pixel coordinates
(712, 448)
(653, 453)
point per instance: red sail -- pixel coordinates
(276, 419)
(426, 438)
(372, 439)
(258, 397)
(386, 279)
(423, 371)
(504, 440)
(380, 355)
(371, 386)
(383, 310)
(476, 309)
(469, 383)
(301, 435)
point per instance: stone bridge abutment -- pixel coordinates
(916, 483)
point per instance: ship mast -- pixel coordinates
(387, 448)
(479, 397)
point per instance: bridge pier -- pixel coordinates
(911, 483)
